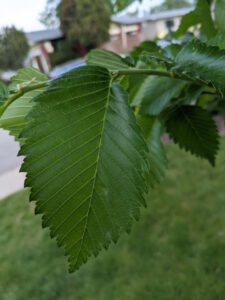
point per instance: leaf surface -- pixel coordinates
(86, 161)
(201, 15)
(193, 129)
(157, 155)
(107, 59)
(219, 14)
(155, 94)
(3, 92)
(13, 118)
(199, 61)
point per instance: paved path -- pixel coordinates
(10, 178)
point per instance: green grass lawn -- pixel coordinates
(176, 251)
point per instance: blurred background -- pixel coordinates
(176, 251)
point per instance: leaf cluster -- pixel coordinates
(92, 137)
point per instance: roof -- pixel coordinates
(54, 34)
(44, 35)
(129, 20)
(169, 14)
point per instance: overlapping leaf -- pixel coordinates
(3, 92)
(218, 40)
(157, 155)
(157, 92)
(86, 161)
(108, 60)
(219, 14)
(147, 46)
(13, 119)
(193, 129)
(201, 15)
(199, 61)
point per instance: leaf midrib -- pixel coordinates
(95, 175)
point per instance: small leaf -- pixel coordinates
(201, 15)
(4, 93)
(13, 119)
(199, 61)
(187, 21)
(193, 129)
(218, 40)
(86, 161)
(219, 14)
(148, 46)
(157, 155)
(108, 60)
(193, 93)
(157, 92)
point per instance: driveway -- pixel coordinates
(10, 178)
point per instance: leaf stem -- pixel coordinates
(25, 89)
(158, 73)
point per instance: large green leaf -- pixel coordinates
(199, 61)
(13, 118)
(219, 14)
(193, 129)
(107, 59)
(156, 93)
(86, 161)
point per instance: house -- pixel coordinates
(125, 33)
(128, 31)
(42, 43)
(159, 24)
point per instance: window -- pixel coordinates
(169, 24)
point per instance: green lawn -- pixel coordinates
(176, 251)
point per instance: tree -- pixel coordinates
(92, 137)
(13, 48)
(171, 4)
(84, 21)
(50, 17)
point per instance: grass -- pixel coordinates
(176, 251)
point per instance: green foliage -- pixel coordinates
(201, 15)
(13, 48)
(4, 93)
(107, 59)
(176, 251)
(157, 154)
(171, 4)
(198, 61)
(73, 163)
(152, 129)
(148, 46)
(88, 164)
(13, 119)
(218, 40)
(193, 129)
(156, 95)
(219, 14)
(116, 6)
(84, 21)
(50, 16)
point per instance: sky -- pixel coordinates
(25, 14)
